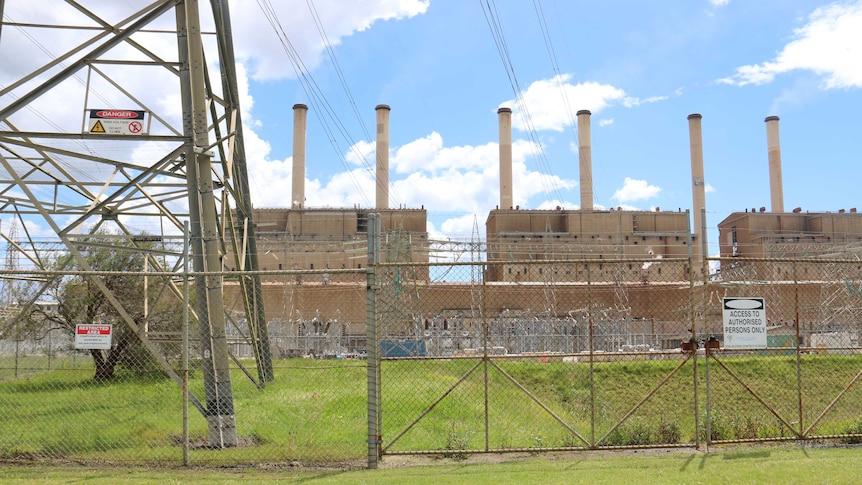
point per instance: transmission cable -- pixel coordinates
(492, 17)
(337, 67)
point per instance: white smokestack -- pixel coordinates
(773, 146)
(300, 117)
(585, 158)
(698, 186)
(505, 120)
(382, 156)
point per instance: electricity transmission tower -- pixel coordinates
(112, 120)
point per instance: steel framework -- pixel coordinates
(71, 166)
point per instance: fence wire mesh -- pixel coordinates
(581, 355)
(594, 354)
(124, 403)
(585, 355)
(803, 383)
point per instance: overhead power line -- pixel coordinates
(324, 110)
(492, 17)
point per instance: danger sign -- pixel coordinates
(93, 336)
(117, 122)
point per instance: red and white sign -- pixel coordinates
(89, 336)
(117, 122)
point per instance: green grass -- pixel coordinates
(12, 367)
(315, 411)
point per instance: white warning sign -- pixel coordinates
(117, 122)
(744, 323)
(92, 336)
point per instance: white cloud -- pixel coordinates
(631, 102)
(634, 190)
(434, 173)
(719, 3)
(554, 204)
(547, 102)
(462, 226)
(361, 153)
(552, 103)
(423, 172)
(259, 44)
(830, 44)
(606, 122)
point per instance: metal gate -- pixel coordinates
(479, 366)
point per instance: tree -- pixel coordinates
(81, 301)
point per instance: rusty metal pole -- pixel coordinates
(372, 347)
(591, 344)
(798, 351)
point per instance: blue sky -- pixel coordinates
(641, 67)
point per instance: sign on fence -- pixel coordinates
(744, 323)
(93, 336)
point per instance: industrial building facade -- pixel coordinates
(639, 263)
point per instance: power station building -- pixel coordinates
(301, 238)
(559, 235)
(633, 243)
(778, 234)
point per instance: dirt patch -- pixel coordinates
(402, 461)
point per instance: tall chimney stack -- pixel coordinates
(585, 158)
(382, 156)
(698, 186)
(300, 119)
(505, 119)
(773, 145)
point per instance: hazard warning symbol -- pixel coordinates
(117, 122)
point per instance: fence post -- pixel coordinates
(590, 343)
(798, 349)
(485, 338)
(185, 343)
(372, 346)
(693, 338)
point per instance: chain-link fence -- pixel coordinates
(603, 357)
(76, 382)
(802, 381)
(580, 355)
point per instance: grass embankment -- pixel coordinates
(315, 411)
(537, 404)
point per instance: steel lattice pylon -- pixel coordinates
(69, 165)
